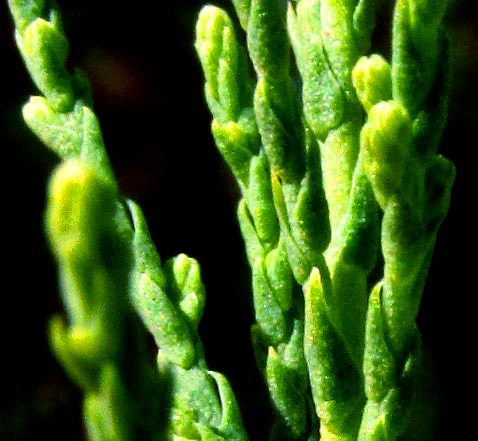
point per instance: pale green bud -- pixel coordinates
(62, 132)
(228, 85)
(185, 286)
(372, 79)
(209, 30)
(384, 141)
(45, 51)
(233, 143)
(80, 211)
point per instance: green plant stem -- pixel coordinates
(110, 271)
(333, 168)
(335, 152)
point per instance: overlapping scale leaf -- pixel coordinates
(334, 379)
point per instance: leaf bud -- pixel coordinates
(185, 286)
(45, 51)
(372, 79)
(384, 142)
(80, 210)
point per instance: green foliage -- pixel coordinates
(335, 153)
(346, 139)
(110, 271)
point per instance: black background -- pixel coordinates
(148, 93)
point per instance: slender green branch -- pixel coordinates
(109, 268)
(333, 168)
(335, 152)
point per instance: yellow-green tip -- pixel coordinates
(372, 79)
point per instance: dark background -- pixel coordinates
(148, 93)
